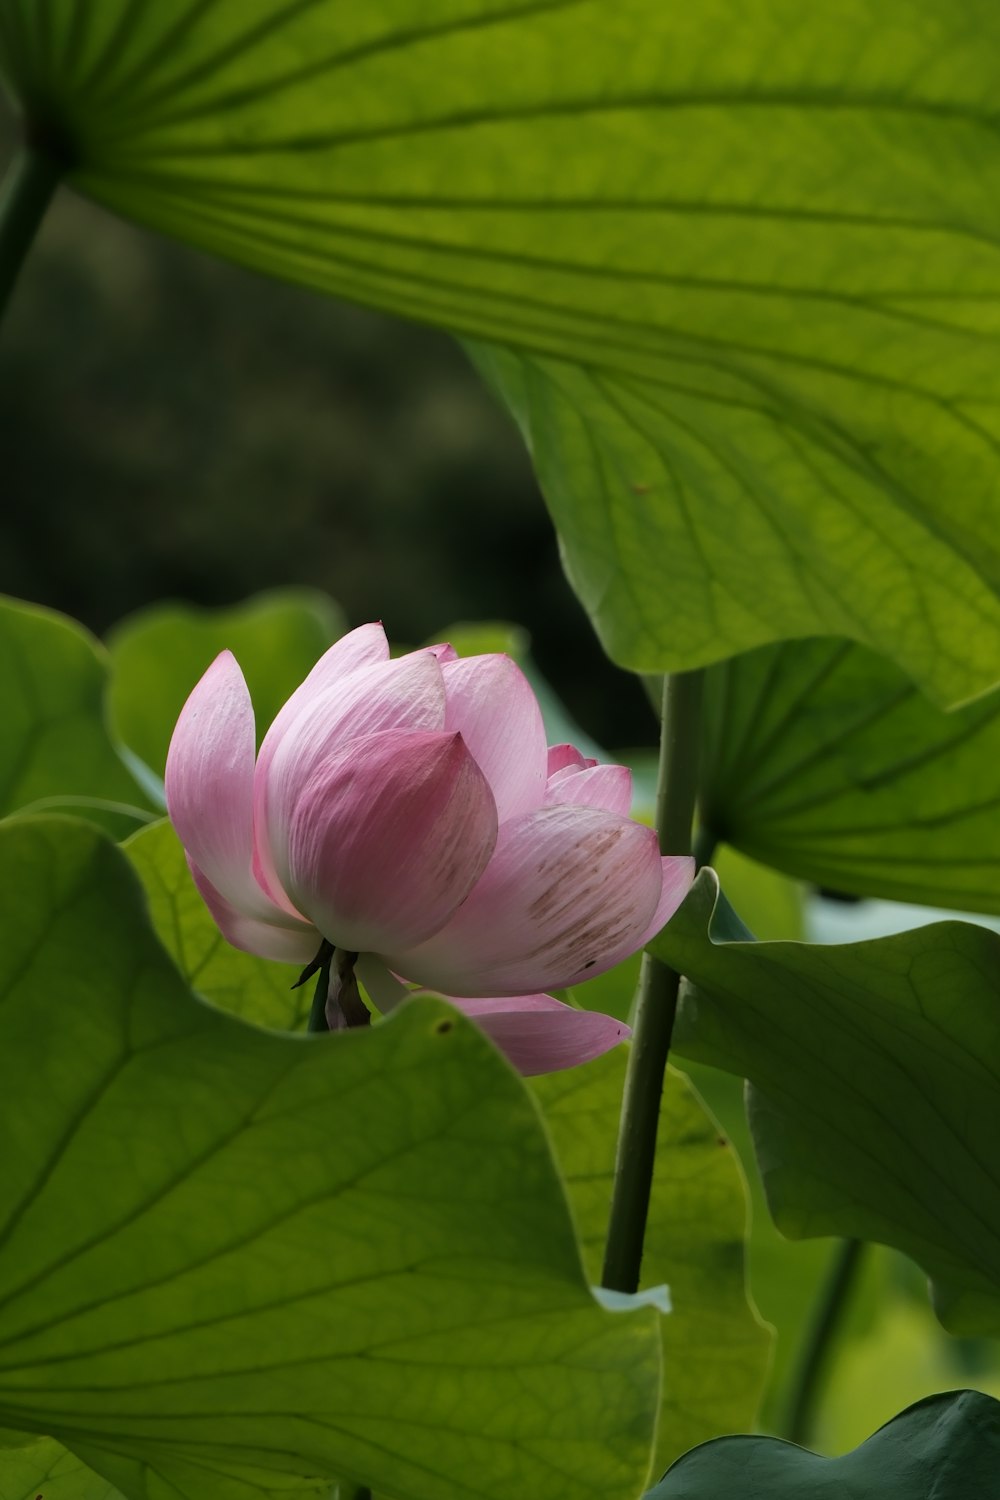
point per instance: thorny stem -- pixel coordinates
(31, 180)
(828, 1315)
(676, 792)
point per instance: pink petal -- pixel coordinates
(561, 756)
(358, 648)
(387, 838)
(288, 943)
(607, 787)
(443, 652)
(539, 1034)
(569, 892)
(209, 783)
(678, 875)
(403, 694)
(491, 703)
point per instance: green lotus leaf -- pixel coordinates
(944, 1448)
(256, 989)
(875, 1084)
(824, 761)
(733, 267)
(55, 749)
(712, 1342)
(227, 1253)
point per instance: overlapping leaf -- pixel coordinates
(44, 1468)
(738, 264)
(875, 1073)
(226, 1252)
(944, 1448)
(822, 760)
(715, 1351)
(55, 750)
(253, 988)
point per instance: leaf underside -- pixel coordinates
(823, 760)
(875, 1086)
(734, 267)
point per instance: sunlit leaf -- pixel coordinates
(785, 1276)
(43, 1470)
(736, 262)
(875, 1073)
(159, 654)
(256, 989)
(55, 750)
(823, 760)
(712, 1342)
(944, 1448)
(228, 1252)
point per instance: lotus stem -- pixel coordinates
(676, 793)
(31, 180)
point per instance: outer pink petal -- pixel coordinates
(387, 838)
(569, 892)
(491, 703)
(209, 783)
(540, 1034)
(403, 694)
(678, 876)
(561, 756)
(607, 787)
(289, 944)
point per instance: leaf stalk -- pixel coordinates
(828, 1316)
(676, 794)
(27, 191)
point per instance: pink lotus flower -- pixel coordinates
(409, 811)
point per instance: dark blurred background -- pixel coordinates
(173, 427)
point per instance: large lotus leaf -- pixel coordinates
(715, 1351)
(227, 1251)
(875, 1073)
(737, 263)
(254, 988)
(55, 750)
(696, 1229)
(159, 654)
(944, 1448)
(822, 760)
